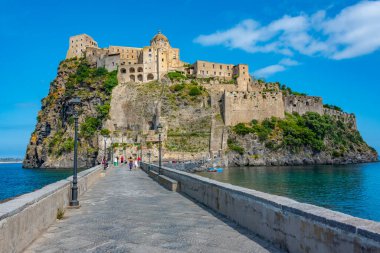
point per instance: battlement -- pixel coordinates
(347, 118)
(303, 104)
(244, 106)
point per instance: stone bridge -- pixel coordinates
(127, 211)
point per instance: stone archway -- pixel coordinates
(140, 69)
(131, 70)
(140, 78)
(123, 70)
(132, 78)
(150, 76)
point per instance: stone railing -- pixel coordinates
(24, 218)
(288, 224)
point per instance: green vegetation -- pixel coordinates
(296, 132)
(105, 132)
(234, 146)
(289, 91)
(103, 110)
(176, 76)
(334, 107)
(90, 126)
(60, 213)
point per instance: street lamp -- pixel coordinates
(105, 149)
(159, 129)
(74, 189)
(149, 154)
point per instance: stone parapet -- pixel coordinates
(24, 218)
(290, 225)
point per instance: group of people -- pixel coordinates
(132, 162)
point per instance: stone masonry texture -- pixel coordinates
(127, 211)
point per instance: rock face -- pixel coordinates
(285, 144)
(193, 116)
(51, 144)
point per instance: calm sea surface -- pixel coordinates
(14, 180)
(351, 189)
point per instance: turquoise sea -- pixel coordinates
(14, 180)
(351, 189)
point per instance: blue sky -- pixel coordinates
(318, 47)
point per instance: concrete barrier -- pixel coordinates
(167, 182)
(290, 225)
(24, 218)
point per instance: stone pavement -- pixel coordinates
(126, 211)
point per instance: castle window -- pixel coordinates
(123, 70)
(150, 50)
(140, 78)
(207, 72)
(214, 73)
(213, 66)
(243, 72)
(150, 77)
(150, 55)
(221, 66)
(162, 59)
(203, 64)
(229, 74)
(113, 63)
(140, 69)
(131, 70)
(228, 67)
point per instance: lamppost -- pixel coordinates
(105, 150)
(159, 129)
(149, 154)
(74, 189)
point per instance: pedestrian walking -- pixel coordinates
(130, 162)
(136, 163)
(115, 161)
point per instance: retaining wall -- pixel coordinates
(290, 225)
(24, 218)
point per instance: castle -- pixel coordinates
(152, 62)
(238, 96)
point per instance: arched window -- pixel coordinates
(140, 69)
(140, 78)
(132, 78)
(123, 70)
(150, 76)
(131, 70)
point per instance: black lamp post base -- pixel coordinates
(74, 204)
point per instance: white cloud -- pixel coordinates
(355, 31)
(288, 62)
(281, 66)
(269, 70)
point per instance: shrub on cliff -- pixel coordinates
(90, 126)
(333, 107)
(311, 130)
(176, 76)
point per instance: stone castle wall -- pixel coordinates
(303, 104)
(243, 107)
(347, 118)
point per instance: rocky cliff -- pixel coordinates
(51, 144)
(124, 117)
(298, 140)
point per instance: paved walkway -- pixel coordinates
(126, 211)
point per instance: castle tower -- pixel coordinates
(78, 45)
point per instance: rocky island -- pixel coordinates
(207, 110)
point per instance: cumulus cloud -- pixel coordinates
(282, 65)
(269, 70)
(353, 32)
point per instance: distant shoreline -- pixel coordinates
(3, 162)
